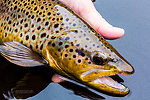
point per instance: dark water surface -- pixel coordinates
(134, 17)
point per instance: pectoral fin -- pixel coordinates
(21, 55)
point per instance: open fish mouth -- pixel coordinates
(106, 81)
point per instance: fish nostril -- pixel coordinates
(115, 60)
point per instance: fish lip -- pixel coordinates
(113, 86)
(97, 72)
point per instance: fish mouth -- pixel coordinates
(114, 86)
(104, 80)
(100, 78)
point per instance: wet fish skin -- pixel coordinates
(68, 43)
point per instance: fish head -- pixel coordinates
(104, 65)
(94, 68)
(91, 66)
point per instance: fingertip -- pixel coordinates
(117, 32)
(122, 33)
(111, 32)
(57, 78)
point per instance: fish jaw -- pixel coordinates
(99, 78)
(107, 84)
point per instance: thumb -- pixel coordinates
(86, 10)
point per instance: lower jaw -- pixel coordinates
(107, 85)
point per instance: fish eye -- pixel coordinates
(99, 59)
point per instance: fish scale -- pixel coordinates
(71, 46)
(23, 31)
(21, 25)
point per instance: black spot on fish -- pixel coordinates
(15, 7)
(53, 19)
(25, 4)
(39, 19)
(53, 37)
(19, 16)
(8, 2)
(40, 13)
(32, 2)
(74, 56)
(32, 25)
(39, 27)
(71, 50)
(76, 31)
(66, 55)
(9, 22)
(26, 25)
(57, 31)
(27, 13)
(20, 34)
(86, 58)
(32, 17)
(33, 37)
(50, 4)
(82, 54)
(60, 43)
(66, 46)
(49, 13)
(59, 49)
(46, 24)
(27, 37)
(42, 7)
(41, 47)
(79, 60)
(35, 8)
(21, 21)
(16, 30)
(31, 46)
(18, 10)
(43, 35)
(37, 46)
(89, 62)
(5, 34)
(29, 16)
(77, 50)
(56, 25)
(49, 43)
(61, 18)
(53, 44)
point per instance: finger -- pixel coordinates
(86, 10)
(57, 78)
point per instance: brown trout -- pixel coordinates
(37, 32)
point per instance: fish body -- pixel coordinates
(71, 46)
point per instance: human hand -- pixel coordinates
(86, 10)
